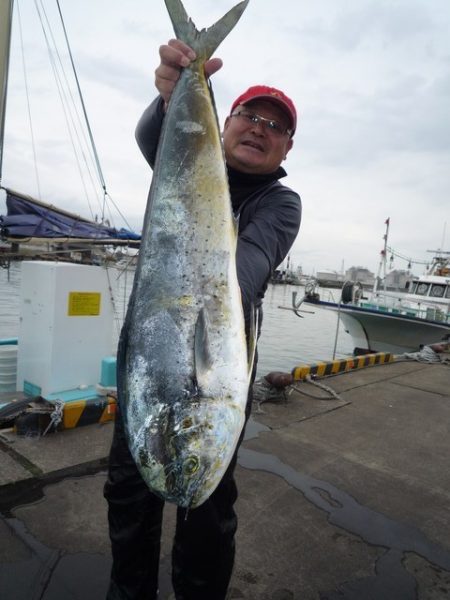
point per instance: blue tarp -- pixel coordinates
(29, 218)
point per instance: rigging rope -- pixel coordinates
(91, 137)
(425, 354)
(80, 134)
(56, 416)
(403, 257)
(88, 126)
(68, 113)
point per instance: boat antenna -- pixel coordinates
(83, 106)
(5, 45)
(383, 259)
(386, 235)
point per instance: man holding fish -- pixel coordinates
(183, 386)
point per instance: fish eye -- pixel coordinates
(191, 465)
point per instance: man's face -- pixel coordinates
(254, 147)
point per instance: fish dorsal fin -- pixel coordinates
(202, 355)
(206, 41)
(252, 339)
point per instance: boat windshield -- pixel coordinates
(447, 293)
(422, 289)
(437, 290)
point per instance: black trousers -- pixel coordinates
(203, 549)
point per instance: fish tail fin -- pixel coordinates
(203, 42)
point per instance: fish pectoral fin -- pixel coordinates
(236, 226)
(202, 354)
(252, 339)
(206, 41)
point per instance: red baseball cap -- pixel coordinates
(264, 92)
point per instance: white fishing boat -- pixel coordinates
(385, 321)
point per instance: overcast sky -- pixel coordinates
(370, 78)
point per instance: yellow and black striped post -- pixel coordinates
(75, 413)
(87, 412)
(323, 369)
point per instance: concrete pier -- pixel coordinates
(342, 496)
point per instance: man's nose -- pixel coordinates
(259, 127)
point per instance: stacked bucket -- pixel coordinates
(8, 367)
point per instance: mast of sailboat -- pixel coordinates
(383, 259)
(6, 12)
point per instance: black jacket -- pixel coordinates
(269, 214)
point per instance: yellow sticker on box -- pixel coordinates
(84, 304)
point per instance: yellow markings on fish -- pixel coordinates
(187, 300)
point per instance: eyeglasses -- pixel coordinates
(273, 127)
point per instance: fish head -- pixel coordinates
(202, 444)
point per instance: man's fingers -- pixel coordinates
(176, 53)
(174, 56)
(212, 66)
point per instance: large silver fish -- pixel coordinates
(182, 360)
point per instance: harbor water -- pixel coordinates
(285, 342)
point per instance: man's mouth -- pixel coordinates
(252, 144)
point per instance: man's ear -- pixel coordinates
(227, 122)
(288, 147)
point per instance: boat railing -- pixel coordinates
(396, 306)
(327, 295)
(352, 294)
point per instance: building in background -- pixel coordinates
(398, 279)
(360, 274)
